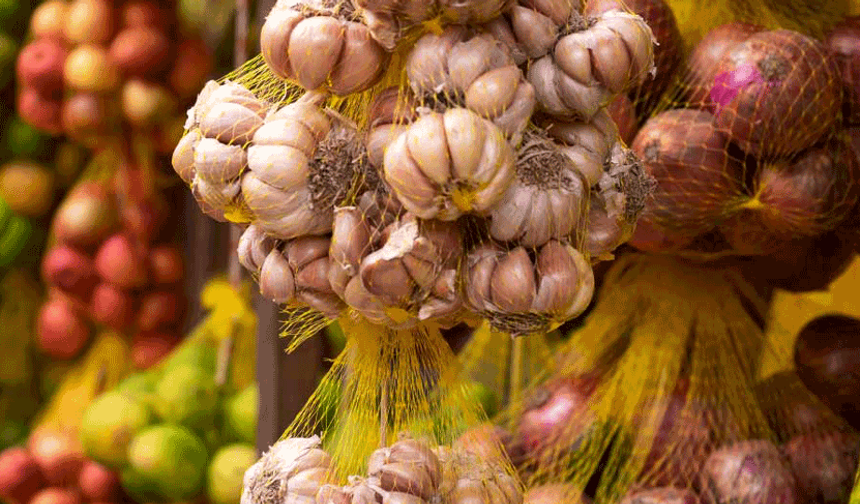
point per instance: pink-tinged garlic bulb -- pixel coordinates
(522, 292)
(254, 246)
(387, 20)
(297, 274)
(301, 164)
(321, 44)
(601, 57)
(617, 202)
(292, 471)
(398, 275)
(212, 155)
(476, 70)
(406, 467)
(445, 165)
(549, 198)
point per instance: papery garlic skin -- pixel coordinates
(318, 46)
(297, 274)
(253, 248)
(292, 471)
(476, 70)
(387, 20)
(473, 11)
(446, 165)
(522, 295)
(537, 24)
(212, 155)
(587, 67)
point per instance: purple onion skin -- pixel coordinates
(749, 472)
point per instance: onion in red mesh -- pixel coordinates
(791, 409)
(776, 93)
(86, 216)
(69, 269)
(749, 472)
(557, 415)
(844, 42)
(120, 263)
(827, 354)
(622, 111)
(697, 180)
(703, 61)
(824, 465)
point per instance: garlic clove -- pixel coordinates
(469, 491)
(481, 267)
(329, 305)
(302, 221)
(415, 191)
(611, 60)
(314, 277)
(269, 203)
(582, 99)
(287, 133)
(315, 46)
(276, 278)
(350, 240)
(557, 10)
(446, 239)
(275, 39)
(587, 163)
(536, 32)
(279, 166)
(218, 195)
(217, 162)
(498, 160)
(306, 249)
(415, 452)
(501, 29)
(377, 459)
(573, 56)
(426, 142)
(542, 75)
(364, 302)
(183, 155)
(639, 41)
(230, 123)
(426, 65)
(253, 248)
(515, 118)
(378, 140)
(509, 216)
(465, 131)
(307, 483)
(332, 494)
(490, 94)
(402, 498)
(407, 478)
(360, 64)
(307, 113)
(567, 207)
(540, 226)
(422, 272)
(513, 282)
(470, 59)
(585, 285)
(387, 279)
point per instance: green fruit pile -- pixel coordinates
(175, 434)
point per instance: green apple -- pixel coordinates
(227, 471)
(109, 425)
(168, 461)
(240, 414)
(22, 140)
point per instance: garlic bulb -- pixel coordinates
(547, 200)
(298, 274)
(522, 295)
(397, 275)
(478, 480)
(254, 246)
(446, 165)
(587, 143)
(476, 70)
(212, 156)
(291, 472)
(318, 44)
(587, 67)
(407, 466)
(387, 20)
(301, 164)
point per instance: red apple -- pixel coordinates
(40, 65)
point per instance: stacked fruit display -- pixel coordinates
(175, 432)
(758, 158)
(96, 68)
(111, 266)
(53, 469)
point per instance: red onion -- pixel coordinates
(41, 111)
(749, 472)
(191, 67)
(87, 215)
(622, 111)
(827, 357)
(61, 330)
(112, 306)
(148, 349)
(69, 269)
(776, 93)
(98, 483)
(697, 180)
(158, 310)
(59, 456)
(703, 61)
(40, 65)
(57, 496)
(748, 234)
(557, 416)
(165, 265)
(824, 465)
(844, 43)
(119, 263)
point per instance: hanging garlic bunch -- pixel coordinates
(212, 154)
(319, 43)
(400, 274)
(475, 70)
(295, 273)
(302, 163)
(520, 294)
(593, 60)
(291, 472)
